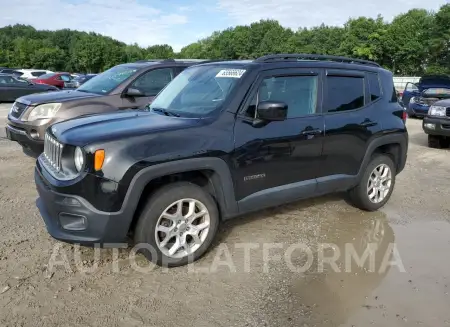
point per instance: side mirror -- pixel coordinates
(132, 92)
(272, 110)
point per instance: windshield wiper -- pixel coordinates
(166, 112)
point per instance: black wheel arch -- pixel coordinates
(395, 145)
(215, 170)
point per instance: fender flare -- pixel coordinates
(221, 180)
(396, 138)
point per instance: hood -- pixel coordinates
(425, 86)
(111, 126)
(60, 96)
(443, 103)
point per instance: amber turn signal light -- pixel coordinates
(99, 157)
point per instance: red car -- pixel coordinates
(60, 80)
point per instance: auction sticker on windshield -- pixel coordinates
(234, 73)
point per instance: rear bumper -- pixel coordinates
(441, 126)
(73, 219)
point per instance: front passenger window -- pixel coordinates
(152, 82)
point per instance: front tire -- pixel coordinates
(437, 142)
(177, 225)
(376, 185)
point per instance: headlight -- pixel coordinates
(47, 110)
(413, 100)
(78, 159)
(437, 111)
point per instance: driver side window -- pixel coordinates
(298, 92)
(8, 80)
(152, 82)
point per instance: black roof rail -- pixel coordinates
(172, 60)
(305, 56)
(149, 60)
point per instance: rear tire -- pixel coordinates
(162, 225)
(437, 142)
(374, 189)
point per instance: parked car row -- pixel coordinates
(58, 79)
(162, 151)
(13, 87)
(430, 99)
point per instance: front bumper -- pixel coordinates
(19, 135)
(30, 135)
(417, 110)
(72, 219)
(441, 126)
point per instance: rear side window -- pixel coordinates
(65, 78)
(374, 86)
(344, 93)
(36, 74)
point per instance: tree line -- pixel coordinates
(414, 43)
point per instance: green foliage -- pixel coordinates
(414, 43)
(67, 50)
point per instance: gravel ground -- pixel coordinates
(229, 288)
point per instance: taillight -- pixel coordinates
(404, 116)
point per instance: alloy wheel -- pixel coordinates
(379, 183)
(182, 228)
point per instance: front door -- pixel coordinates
(411, 90)
(150, 84)
(277, 162)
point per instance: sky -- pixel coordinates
(181, 22)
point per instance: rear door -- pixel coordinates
(150, 84)
(352, 100)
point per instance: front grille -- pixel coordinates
(447, 112)
(428, 101)
(18, 109)
(52, 152)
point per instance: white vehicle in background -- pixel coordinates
(31, 74)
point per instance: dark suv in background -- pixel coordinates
(418, 98)
(221, 140)
(126, 86)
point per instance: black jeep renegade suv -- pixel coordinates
(221, 140)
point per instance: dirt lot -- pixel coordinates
(414, 226)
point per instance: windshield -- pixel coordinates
(443, 92)
(198, 90)
(108, 80)
(45, 76)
